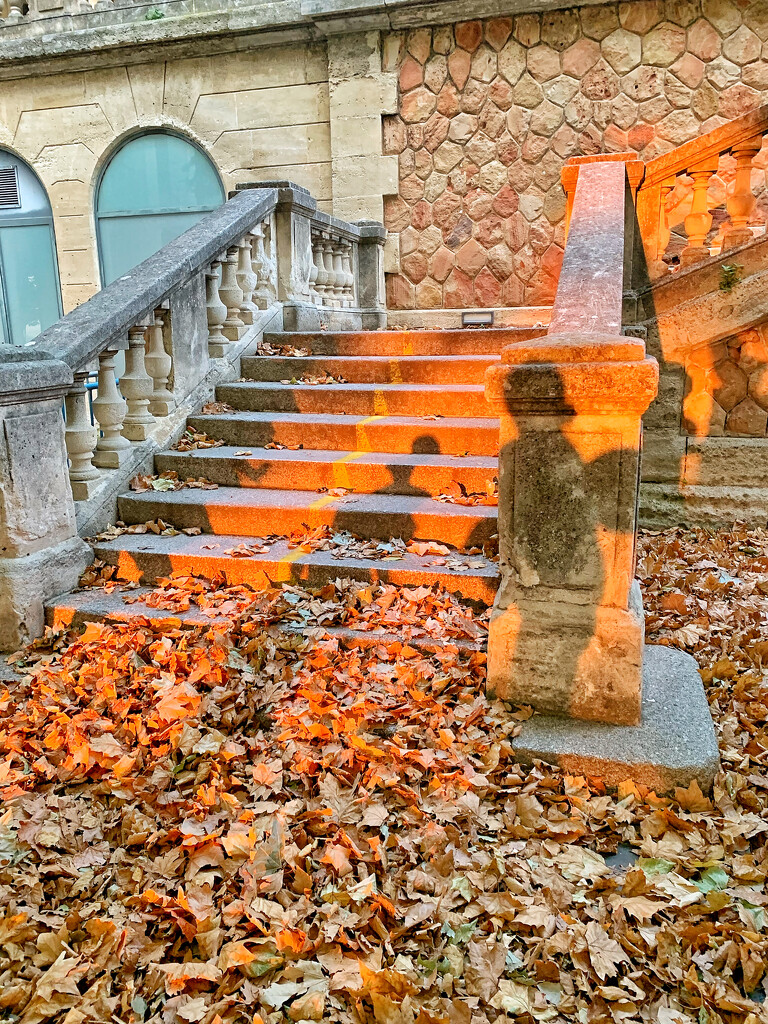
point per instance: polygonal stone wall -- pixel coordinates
(490, 110)
(728, 387)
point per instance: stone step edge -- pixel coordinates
(194, 618)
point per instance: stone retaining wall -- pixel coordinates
(490, 110)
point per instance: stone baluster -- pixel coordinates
(313, 273)
(231, 295)
(246, 279)
(81, 437)
(15, 10)
(338, 270)
(659, 268)
(323, 278)
(349, 277)
(216, 312)
(109, 408)
(329, 298)
(740, 204)
(137, 386)
(699, 220)
(159, 365)
(262, 293)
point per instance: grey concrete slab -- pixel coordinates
(674, 744)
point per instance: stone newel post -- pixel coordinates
(41, 554)
(566, 633)
(567, 627)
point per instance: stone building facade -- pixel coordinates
(490, 109)
(453, 131)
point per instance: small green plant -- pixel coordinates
(730, 276)
(154, 14)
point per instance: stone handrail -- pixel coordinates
(699, 161)
(131, 363)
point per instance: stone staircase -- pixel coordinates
(404, 421)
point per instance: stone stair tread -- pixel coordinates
(244, 497)
(355, 387)
(148, 556)
(101, 605)
(339, 419)
(324, 455)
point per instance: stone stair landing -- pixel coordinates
(369, 452)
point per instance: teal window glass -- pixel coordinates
(30, 296)
(155, 187)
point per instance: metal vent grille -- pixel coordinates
(9, 188)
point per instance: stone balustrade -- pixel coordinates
(698, 202)
(130, 364)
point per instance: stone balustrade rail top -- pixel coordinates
(81, 335)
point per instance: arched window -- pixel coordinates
(153, 188)
(30, 297)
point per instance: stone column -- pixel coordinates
(293, 235)
(41, 554)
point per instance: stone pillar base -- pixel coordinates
(674, 744)
(566, 658)
(28, 581)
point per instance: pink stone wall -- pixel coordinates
(490, 110)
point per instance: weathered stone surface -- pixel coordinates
(417, 105)
(723, 14)
(459, 66)
(689, 69)
(580, 57)
(469, 34)
(527, 29)
(664, 44)
(738, 100)
(599, 21)
(742, 46)
(411, 74)
(418, 43)
(435, 73)
(527, 93)
(747, 418)
(543, 62)
(641, 16)
(498, 31)
(674, 745)
(560, 28)
(601, 83)
(622, 50)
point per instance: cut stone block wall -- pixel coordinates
(260, 114)
(490, 110)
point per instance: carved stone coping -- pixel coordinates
(81, 335)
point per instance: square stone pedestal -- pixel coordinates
(674, 743)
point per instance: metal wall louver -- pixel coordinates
(10, 197)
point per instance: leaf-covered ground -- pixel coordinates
(254, 821)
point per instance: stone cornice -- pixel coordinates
(42, 43)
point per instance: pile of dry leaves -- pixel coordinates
(259, 820)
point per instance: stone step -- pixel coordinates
(99, 605)
(358, 399)
(399, 434)
(253, 512)
(453, 369)
(146, 558)
(406, 343)
(362, 472)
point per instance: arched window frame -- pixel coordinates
(107, 162)
(20, 219)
